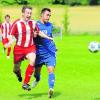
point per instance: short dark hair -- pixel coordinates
(7, 16)
(45, 9)
(26, 7)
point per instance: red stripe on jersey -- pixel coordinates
(2, 28)
(14, 28)
(5, 30)
(37, 28)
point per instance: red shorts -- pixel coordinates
(21, 52)
(4, 41)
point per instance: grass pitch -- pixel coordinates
(77, 73)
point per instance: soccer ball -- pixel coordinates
(94, 46)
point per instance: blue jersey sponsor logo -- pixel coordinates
(45, 46)
(45, 31)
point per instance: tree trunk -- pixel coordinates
(21, 2)
(56, 2)
(63, 2)
(93, 2)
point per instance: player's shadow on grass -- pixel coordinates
(96, 98)
(36, 95)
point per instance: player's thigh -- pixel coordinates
(31, 57)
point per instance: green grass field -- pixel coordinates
(77, 73)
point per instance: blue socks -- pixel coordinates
(51, 80)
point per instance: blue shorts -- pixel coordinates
(47, 60)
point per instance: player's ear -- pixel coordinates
(22, 14)
(41, 14)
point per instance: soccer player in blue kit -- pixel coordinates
(46, 51)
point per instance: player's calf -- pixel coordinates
(17, 71)
(18, 74)
(37, 76)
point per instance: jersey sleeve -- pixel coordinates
(37, 28)
(2, 29)
(13, 29)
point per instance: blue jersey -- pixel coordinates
(45, 47)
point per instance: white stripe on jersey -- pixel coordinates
(28, 33)
(33, 24)
(19, 33)
(7, 29)
(4, 30)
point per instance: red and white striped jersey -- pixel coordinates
(23, 32)
(5, 29)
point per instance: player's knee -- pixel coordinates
(37, 76)
(32, 59)
(51, 70)
(32, 62)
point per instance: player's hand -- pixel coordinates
(35, 34)
(2, 35)
(6, 45)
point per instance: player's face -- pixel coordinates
(27, 14)
(46, 16)
(7, 19)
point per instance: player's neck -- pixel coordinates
(7, 22)
(42, 21)
(25, 21)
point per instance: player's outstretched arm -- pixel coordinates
(44, 35)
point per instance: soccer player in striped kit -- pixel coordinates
(23, 30)
(5, 30)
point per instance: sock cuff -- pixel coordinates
(30, 65)
(51, 73)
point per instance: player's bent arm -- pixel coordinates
(11, 40)
(44, 35)
(1, 34)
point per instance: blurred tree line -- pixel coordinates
(77, 2)
(63, 2)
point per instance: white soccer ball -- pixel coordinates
(94, 46)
